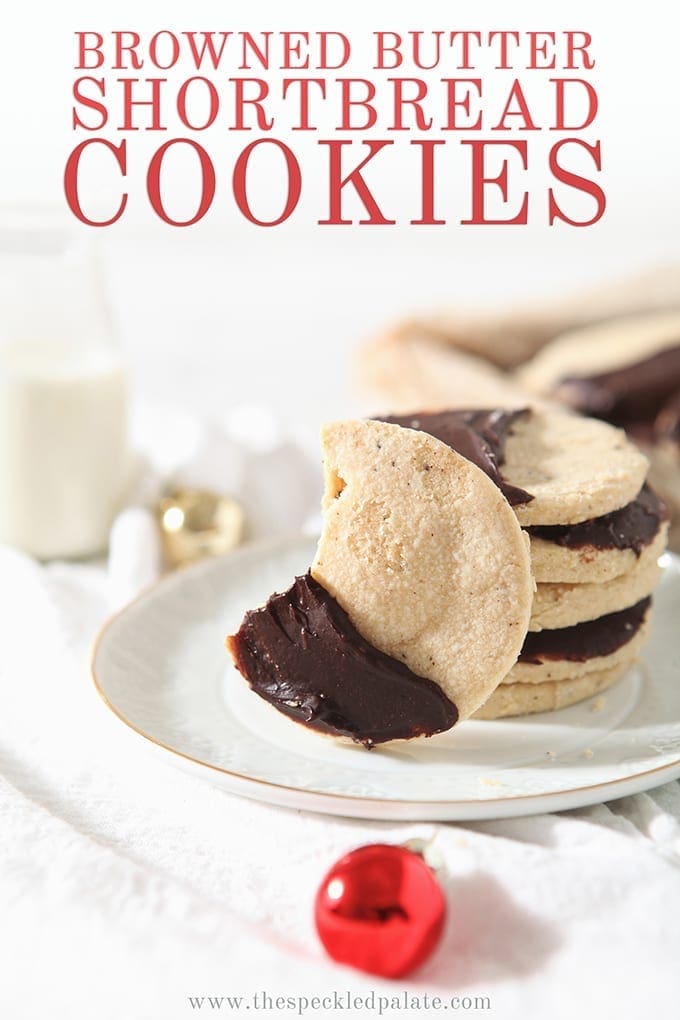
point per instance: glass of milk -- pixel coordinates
(65, 461)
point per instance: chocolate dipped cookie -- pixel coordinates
(627, 372)
(416, 605)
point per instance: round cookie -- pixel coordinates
(553, 563)
(527, 699)
(626, 371)
(510, 335)
(600, 348)
(563, 605)
(575, 468)
(561, 669)
(425, 556)
(406, 369)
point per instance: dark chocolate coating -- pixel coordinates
(479, 436)
(632, 397)
(584, 641)
(632, 527)
(301, 653)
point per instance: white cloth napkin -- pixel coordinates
(127, 887)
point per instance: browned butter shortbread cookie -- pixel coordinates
(626, 372)
(623, 371)
(407, 371)
(418, 599)
(564, 604)
(603, 548)
(424, 552)
(575, 468)
(571, 652)
(508, 336)
(527, 699)
(569, 469)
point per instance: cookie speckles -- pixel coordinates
(521, 698)
(576, 468)
(426, 556)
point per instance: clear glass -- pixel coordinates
(65, 461)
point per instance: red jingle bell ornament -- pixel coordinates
(381, 910)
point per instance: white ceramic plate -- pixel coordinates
(161, 667)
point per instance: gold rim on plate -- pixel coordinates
(337, 797)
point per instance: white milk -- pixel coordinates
(64, 456)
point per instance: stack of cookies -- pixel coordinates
(591, 610)
(472, 564)
(393, 633)
(596, 531)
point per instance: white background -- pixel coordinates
(225, 311)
